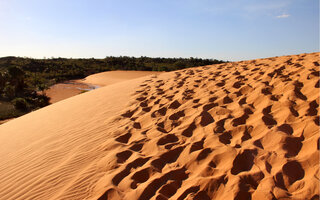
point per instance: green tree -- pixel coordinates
(180, 64)
(9, 92)
(16, 78)
(20, 104)
(2, 81)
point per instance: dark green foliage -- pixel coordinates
(19, 92)
(40, 100)
(15, 72)
(7, 110)
(16, 78)
(20, 104)
(180, 64)
(3, 80)
(8, 92)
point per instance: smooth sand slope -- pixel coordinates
(112, 77)
(244, 130)
(69, 89)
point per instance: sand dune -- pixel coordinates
(243, 130)
(71, 88)
(112, 77)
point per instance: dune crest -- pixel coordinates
(71, 88)
(242, 130)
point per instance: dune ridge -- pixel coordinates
(242, 130)
(46, 152)
(71, 88)
(112, 77)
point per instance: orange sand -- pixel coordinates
(5, 120)
(239, 130)
(69, 89)
(112, 77)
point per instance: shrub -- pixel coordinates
(9, 92)
(20, 104)
(7, 111)
(42, 101)
(180, 65)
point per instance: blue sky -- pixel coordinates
(229, 30)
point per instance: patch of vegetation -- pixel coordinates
(7, 111)
(17, 95)
(23, 80)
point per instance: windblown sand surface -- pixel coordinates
(244, 130)
(112, 77)
(69, 89)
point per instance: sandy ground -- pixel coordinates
(243, 130)
(69, 89)
(112, 77)
(4, 121)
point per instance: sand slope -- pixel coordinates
(47, 152)
(71, 88)
(231, 131)
(112, 77)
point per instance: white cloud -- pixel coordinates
(283, 16)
